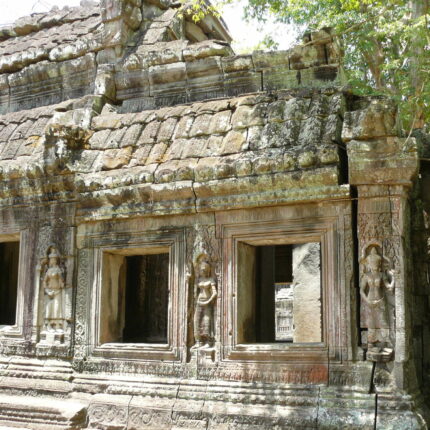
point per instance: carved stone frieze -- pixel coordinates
(374, 225)
(168, 237)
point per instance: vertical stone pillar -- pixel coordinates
(120, 19)
(307, 293)
(382, 167)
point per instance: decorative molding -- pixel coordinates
(136, 243)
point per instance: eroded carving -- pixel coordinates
(52, 278)
(375, 283)
(205, 293)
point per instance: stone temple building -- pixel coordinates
(193, 239)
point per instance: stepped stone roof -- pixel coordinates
(54, 36)
(112, 104)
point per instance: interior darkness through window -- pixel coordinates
(279, 293)
(273, 278)
(9, 258)
(146, 301)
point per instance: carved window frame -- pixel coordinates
(174, 242)
(278, 232)
(16, 331)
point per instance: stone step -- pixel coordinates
(41, 413)
(14, 428)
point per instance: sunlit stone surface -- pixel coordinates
(191, 238)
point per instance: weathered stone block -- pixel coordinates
(303, 57)
(220, 122)
(205, 79)
(254, 137)
(175, 149)
(205, 49)
(270, 136)
(248, 116)
(201, 125)
(115, 158)
(290, 132)
(183, 128)
(242, 82)
(154, 35)
(276, 79)
(115, 138)
(174, 74)
(215, 145)
(149, 133)
(268, 60)
(332, 131)
(195, 147)
(307, 159)
(157, 153)
(131, 136)
(328, 74)
(310, 131)
(140, 156)
(378, 119)
(234, 141)
(98, 139)
(238, 63)
(162, 52)
(106, 121)
(194, 32)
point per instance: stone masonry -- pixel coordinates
(158, 187)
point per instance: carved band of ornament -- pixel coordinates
(147, 416)
(81, 303)
(374, 225)
(346, 378)
(107, 413)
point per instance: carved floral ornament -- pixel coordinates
(376, 283)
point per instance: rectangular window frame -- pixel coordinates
(16, 331)
(273, 233)
(171, 241)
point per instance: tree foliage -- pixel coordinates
(386, 45)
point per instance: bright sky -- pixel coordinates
(245, 35)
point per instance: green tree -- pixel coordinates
(386, 45)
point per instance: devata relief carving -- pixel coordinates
(191, 238)
(205, 294)
(52, 279)
(376, 282)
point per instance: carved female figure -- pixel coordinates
(373, 284)
(53, 285)
(205, 293)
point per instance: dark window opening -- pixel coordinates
(146, 299)
(273, 275)
(9, 258)
(279, 293)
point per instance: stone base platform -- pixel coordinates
(105, 402)
(41, 413)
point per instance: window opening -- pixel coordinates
(9, 259)
(135, 298)
(146, 299)
(279, 293)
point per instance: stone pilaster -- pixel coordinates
(382, 167)
(120, 19)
